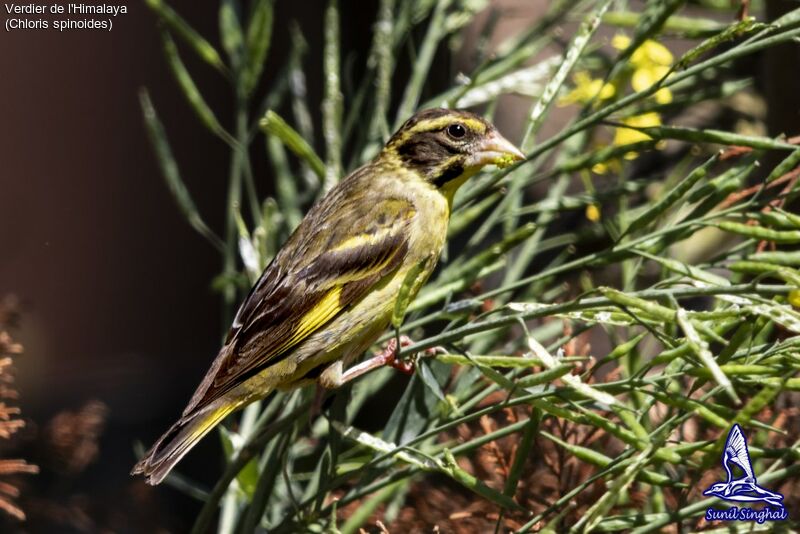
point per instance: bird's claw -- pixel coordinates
(406, 365)
(390, 353)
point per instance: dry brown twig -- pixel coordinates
(733, 198)
(10, 422)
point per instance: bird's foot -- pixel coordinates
(334, 376)
(390, 354)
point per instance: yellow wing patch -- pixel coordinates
(392, 213)
(325, 309)
(364, 239)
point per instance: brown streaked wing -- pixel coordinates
(280, 313)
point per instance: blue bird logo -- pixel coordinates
(745, 488)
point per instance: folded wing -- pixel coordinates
(319, 272)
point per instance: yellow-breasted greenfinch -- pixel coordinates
(330, 291)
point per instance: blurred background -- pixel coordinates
(110, 288)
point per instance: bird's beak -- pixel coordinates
(495, 149)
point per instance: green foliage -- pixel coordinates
(681, 279)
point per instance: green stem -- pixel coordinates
(243, 144)
(422, 65)
(332, 103)
(253, 447)
(553, 309)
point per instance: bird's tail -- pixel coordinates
(180, 438)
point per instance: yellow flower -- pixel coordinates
(650, 63)
(621, 41)
(794, 298)
(644, 78)
(612, 165)
(651, 53)
(663, 96)
(586, 89)
(625, 136)
(593, 212)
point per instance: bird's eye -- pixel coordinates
(456, 131)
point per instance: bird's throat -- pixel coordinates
(450, 188)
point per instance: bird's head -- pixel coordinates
(447, 146)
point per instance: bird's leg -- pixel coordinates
(320, 396)
(388, 356)
(333, 376)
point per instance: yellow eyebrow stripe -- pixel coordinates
(441, 122)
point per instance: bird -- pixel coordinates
(330, 291)
(744, 488)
